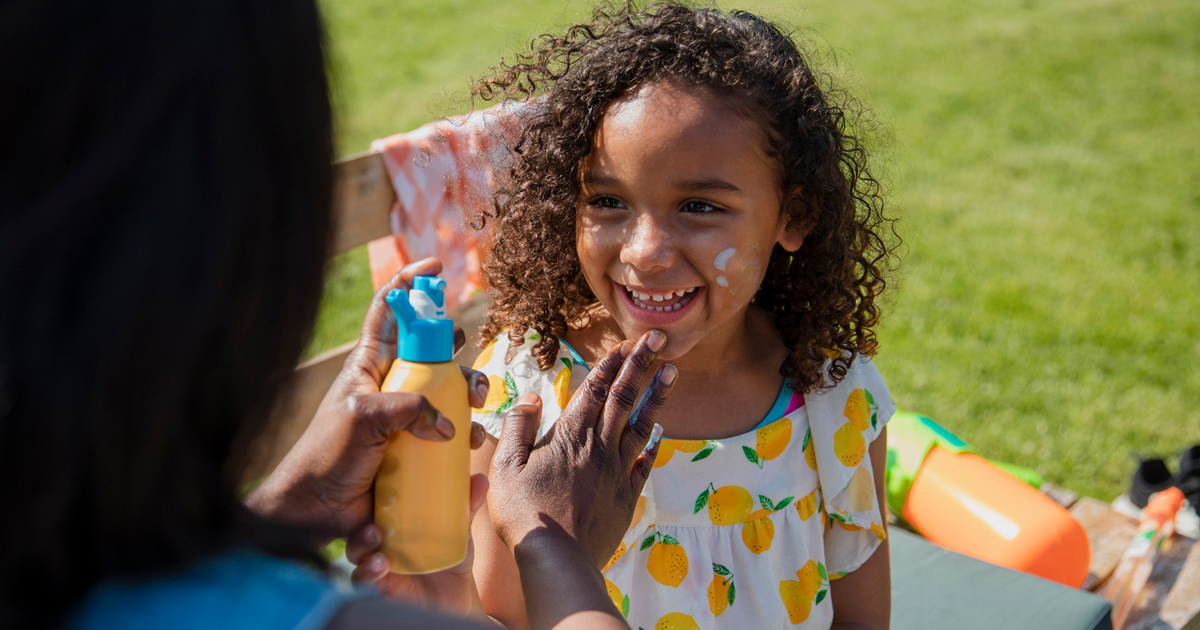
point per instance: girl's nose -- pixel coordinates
(649, 247)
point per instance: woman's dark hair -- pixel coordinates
(165, 186)
(825, 297)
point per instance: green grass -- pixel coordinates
(1046, 167)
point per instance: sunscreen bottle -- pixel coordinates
(423, 487)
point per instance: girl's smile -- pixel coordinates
(679, 211)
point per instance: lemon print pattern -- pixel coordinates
(619, 600)
(727, 505)
(616, 556)
(501, 394)
(808, 589)
(849, 445)
(562, 385)
(484, 357)
(770, 442)
(667, 561)
(721, 591)
(702, 449)
(676, 621)
(755, 522)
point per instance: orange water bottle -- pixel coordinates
(1127, 581)
(423, 488)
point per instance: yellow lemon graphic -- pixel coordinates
(667, 562)
(879, 531)
(850, 527)
(729, 505)
(721, 590)
(798, 606)
(858, 410)
(616, 556)
(676, 621)
(687, 446)
(484, 356)
(562, 387)
(810, 453)
(807, 506)
(848, 445)
(618, 599)
(666, 450)
(497, 394)
(758, 531)
(861, 490)
(809, 576)
(773, 438)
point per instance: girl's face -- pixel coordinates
(679, 211)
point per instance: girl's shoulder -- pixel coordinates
(513, 371)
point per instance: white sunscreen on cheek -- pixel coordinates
(720, 262)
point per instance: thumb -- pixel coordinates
(520, 428)
(378, 416)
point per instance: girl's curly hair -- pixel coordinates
(824, 296)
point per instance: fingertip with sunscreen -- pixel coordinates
(655, 436)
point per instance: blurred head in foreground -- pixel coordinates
(164, 212)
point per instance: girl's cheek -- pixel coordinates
(738, 270)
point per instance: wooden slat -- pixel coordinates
(362, 199)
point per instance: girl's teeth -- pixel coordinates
(659, 298)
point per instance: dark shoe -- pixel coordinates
(1188, 479)
(1152, 475)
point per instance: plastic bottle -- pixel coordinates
(423, 487)
(968, 504)
(1126, 583)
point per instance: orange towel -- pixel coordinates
(444, 174)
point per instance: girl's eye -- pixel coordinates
(606, 202)
(699, 207)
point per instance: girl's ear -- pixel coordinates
(792, 228)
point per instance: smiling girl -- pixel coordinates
(683, 175)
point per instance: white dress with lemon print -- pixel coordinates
(741, 532)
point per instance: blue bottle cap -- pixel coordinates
(425, 335)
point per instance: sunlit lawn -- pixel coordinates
(1046, 166)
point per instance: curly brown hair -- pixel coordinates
(824, 297)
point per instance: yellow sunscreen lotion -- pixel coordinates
(423, 487)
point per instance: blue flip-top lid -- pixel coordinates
(425, 335)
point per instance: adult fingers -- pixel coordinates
(642, 420)
(377, 416)
(379, 324)
(364, 542)
(477, 387)
(478, 435)
(460, 339)
(645, 461)
(520, 428)
(626, 387)
(587, 403)
(373, 569)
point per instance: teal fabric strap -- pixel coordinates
(780, 406)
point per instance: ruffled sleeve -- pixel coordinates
(510, 379)
(845, 420)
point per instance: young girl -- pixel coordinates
(683, 172)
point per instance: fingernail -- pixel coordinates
(668, 373)
(656, 340)
(528, 399)
(372, 536)
(655, 435)
(375, 564)
(445, 427)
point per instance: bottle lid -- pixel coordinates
(1164, 504)
(425, 334)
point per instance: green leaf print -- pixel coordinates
(511, 384)
(821, 572)
(751, 455)
(670, 541)
(720, 569)
(766, 503)
(625, 607)
(649, 542)
(535, 337)
(732, 593)
(807, 438)
(784, 503)
(821, 596)
(701, 501)
(838, 517)
(874, 408)
(703, 454)
(566, 362)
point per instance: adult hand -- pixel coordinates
(452, 590)
(325, 481)
(584, 477)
